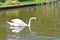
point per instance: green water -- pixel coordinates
(48, 24)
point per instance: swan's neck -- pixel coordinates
(29, 25)
(30, 21)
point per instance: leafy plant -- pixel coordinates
(2, 1)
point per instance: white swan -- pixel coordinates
(17, 24)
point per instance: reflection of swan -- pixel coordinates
(18, 24)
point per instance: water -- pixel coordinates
(46, 28)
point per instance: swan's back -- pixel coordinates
(19, 21)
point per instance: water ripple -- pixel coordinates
(31, 37)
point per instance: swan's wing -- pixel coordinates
(10, 23)
(19, 21)
(13, 24)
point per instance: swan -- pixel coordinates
(17, 24)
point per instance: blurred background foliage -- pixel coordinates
(17, 2)
(25, 0)
(2, 1)
(12, 2)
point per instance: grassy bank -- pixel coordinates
(35, 1)
(18, 2)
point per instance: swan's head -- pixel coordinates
(34, 18)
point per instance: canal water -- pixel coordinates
(46, 28)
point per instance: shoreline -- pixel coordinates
(24, 5)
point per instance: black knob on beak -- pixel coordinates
(37, 19)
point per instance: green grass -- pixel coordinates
(23, 2)
(36, 1)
